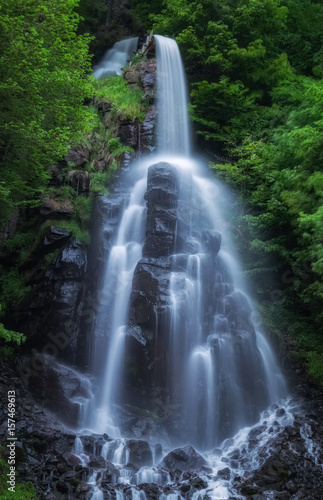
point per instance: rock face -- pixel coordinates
(79, 180)
(162, 204)
(139, 452)
(55, 386)
(140, 136)
(78, 156)
(184, 459)
(49, 315)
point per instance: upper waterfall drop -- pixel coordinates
(173, 129)
(116, 58)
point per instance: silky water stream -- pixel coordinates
(177, 358)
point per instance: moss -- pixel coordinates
(126, 102)
(23, 491)
(78, 232)
(117, 148)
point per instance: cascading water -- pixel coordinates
(214, 368)
(116, 58)
(173, 334)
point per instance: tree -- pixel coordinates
(43, 84)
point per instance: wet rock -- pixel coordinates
(70, 459)
(150, 282)
(147, 73)
(211, 241)
(224, 473)
(97, 462)
(66, 386)
(55, 238)
(139, 452)
(147, 131)
(256, 432)
(280, 412)
(136, 332)
(183, 459)
(161, 196)
(198, 483)
(72, 262)
(162, 186)
(128, 132)
(151, 490)
(79, 180)
(49, 315)
(62, 487)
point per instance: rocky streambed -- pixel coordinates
(278, 458)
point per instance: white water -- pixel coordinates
(173, 125)
(220, 372)
(116, 58)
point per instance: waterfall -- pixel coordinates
(173, 125)
(174, 333)
(116, 58)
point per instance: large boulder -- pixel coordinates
(139, 452)
(183, 459)
(162, 200)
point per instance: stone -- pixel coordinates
(211, 241)
(146, 140)
(147, 74)
(139, 452)
(56, 237)
(183, 459)
(198, 483)
(132, 76)
(78, 156)
(128, 132)
(97, 462)
(79, 180)
(136, 332)
(69, 459)
(67, 387)
(224, 473)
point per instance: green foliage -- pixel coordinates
(23, 491)
(126, 101)
(11, 336)
(43, 84)
(12, 286)
(80, 233)
(99, 182)
(82, 210)
(117, 148)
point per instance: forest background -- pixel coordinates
(255, 72)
